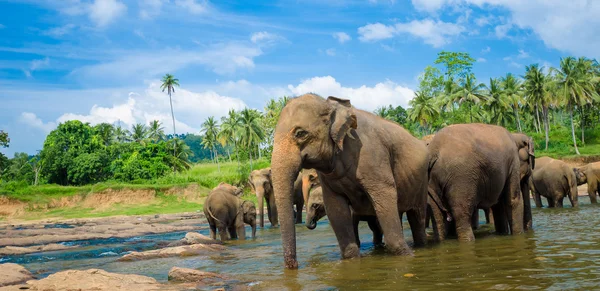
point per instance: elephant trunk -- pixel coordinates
(253, 225)
(311, 222)
(574, 195)
(260, 195)
(285, 165)
(305, 189)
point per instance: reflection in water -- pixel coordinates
(562, 253)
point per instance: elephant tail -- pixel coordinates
(212, 215)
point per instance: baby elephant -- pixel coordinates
(315, 210)
(555, 180)
(228, 213)
(590, 174)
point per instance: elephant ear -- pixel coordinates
(251, 184)
(343, 120)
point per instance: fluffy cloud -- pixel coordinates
(60, 30)
(32, 120)
(481, 60)
(193, 6)
(103, 12)
(434, 32)
(37, 65)
(265, 38)
(363, 97)
(342, 37)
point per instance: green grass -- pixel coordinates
(561, 143)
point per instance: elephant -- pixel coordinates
(554, 179)
(315, 210)
(365, 164)
(228, 213)
(237, 191)
(260, 182)
(478, 166)
(590, 174)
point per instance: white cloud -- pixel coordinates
(363, 97)
(342, 37)
(502, 30)
(375, 32)
(193, 6)
(60, 30)
(428, 5)
(387, 47)
(150, 8)
(330, 52)
(481, 60)
(486, 50)
(103, 12)
(37, 65)
(32, 120)
(522, 54)
(433, 32)
(265, 38)
(483, 21)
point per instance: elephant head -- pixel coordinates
(309, 131)
(260, 182)
(580, 176)
(310, 180)
(237, 191)
(315, 209)
(249, 212)
(525, 146)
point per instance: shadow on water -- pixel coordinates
(562, 253)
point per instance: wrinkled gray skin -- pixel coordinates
(227, 213)
(477, 166)
(315, 210)
(362, 160)
(590, 174)
(260, 182)
(236, 191)
(555, 180)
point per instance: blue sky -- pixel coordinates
(101, 60)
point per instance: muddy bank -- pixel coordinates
(55, 230)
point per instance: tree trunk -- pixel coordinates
(250, 155)
(258, 149)
(470, 113)
(174, 132)
(229, 154)
(583, 125)
(217, 159)
(516, 109)
(573, 130)
(537, 115)
(546, 125)
(237, 154)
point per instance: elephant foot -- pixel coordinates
(351, 251)
(400, 250)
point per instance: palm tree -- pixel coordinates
(156, 132)
(251, 134)
(512, 89)
(105, 132)
(210, 128)
(139, 133)
(587, 70)
(574, 88)
(535, 86)
(121, 135)
(447, 98)
(169, 83)
(182, 156)
(497, 104)
(230, 126)
(470, 93)
(423, 110)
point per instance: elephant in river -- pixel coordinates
(590, 174)
(555, 180)
(315, 210)
(479, 166)
(365, 164)
(237, 191)
(227, 213)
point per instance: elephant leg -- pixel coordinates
(428, 215)
(340, 217)
(213, 231)
(475, 219)
(551, 203)
(299, 208)
(514, 203)
(559, 202)
(489, 217)
(272, 210)
(355, 221)
(232, 232)
(462, 205)
(592, 189)
(376, 229)
(500, 221)
(438, 223)
(527, 216)
(241, 231)
(386, 209)
(538, 199)
(416, 219)
(223, 233)
(462, 220)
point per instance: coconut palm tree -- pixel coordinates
(121, 134)
(182, 156)
(497, 104)
(228, 135)
(447, 98)
(155, 131)
(511, 87)
(106, 133)
(210, 128)
(169, 83)
(574, 87)
(139, 132)
(423, 110)
(470, 93)
(535, 86)
(251, 133)
(587, 70)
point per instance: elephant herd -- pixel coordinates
(352, 166)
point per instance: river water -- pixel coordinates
(561, 253)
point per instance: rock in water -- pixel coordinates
(94, 279)
(12, 274)
(194, 276)
(197, 238)
(191, 250)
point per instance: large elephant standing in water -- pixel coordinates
(590, 174)
(555, 180)
(362, 160)
(478, 166)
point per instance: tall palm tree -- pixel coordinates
(424, 110)
(535, 86)
(512, 89)
(121, 134)
(574, 88)
(470, 93)
(230, 126)
(139, 132)
(210, 128)
(587, 70)
(182, 156)
(496, 102)
(169, 83)
(106, 133)
(251, 133)
(447, 98)
(156, 132)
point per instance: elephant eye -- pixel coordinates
(300, 133)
